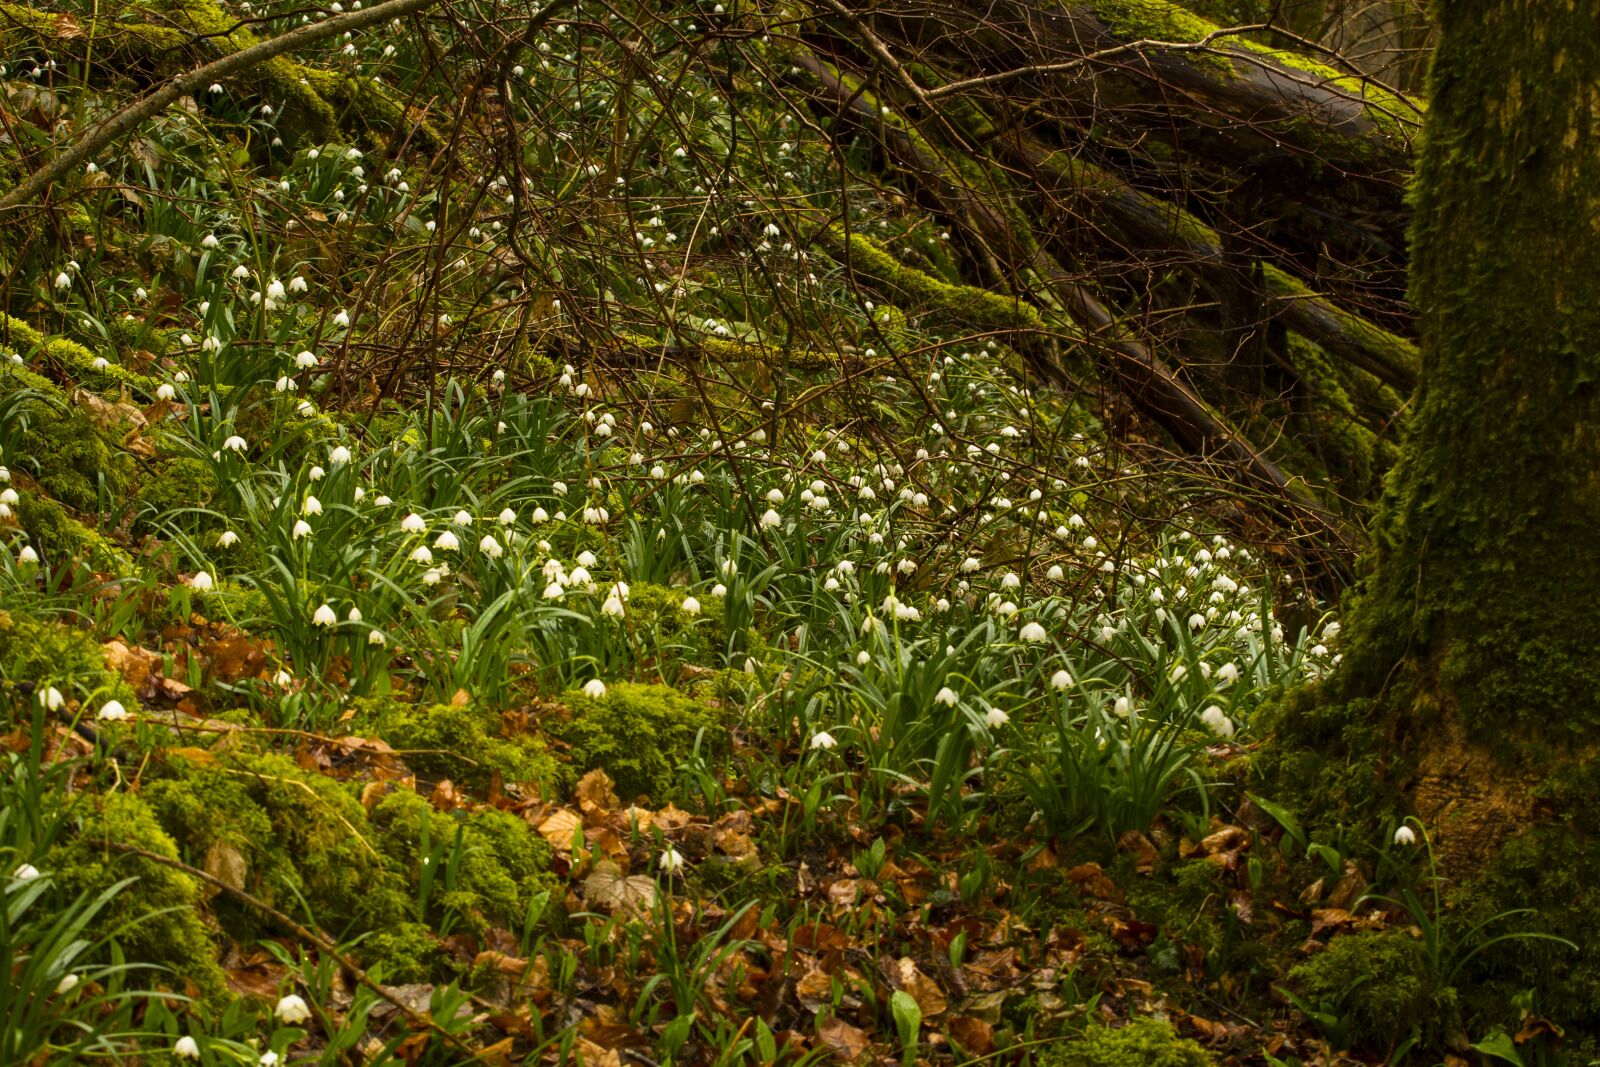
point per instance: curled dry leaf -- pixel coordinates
(609, 888)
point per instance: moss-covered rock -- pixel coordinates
(157, 920)
(461, 742)
(71, 458)
(639, 734)
(502, 862)
(35, 652)
(1142, 1043)
(179, 485)
(295, 839)
(1380, 981)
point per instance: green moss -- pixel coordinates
(57, 536)
(301, 837)
(72, 459)
(158, 918)
(657, 610)
(1142, 1043)
(463, 743)
(44, 653)
(1380, 981)
(180, 485)
(502, 864)
(640, 735)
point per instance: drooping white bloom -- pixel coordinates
(1060, 679)
(507, 517)
(594, 689)
(291, 1010)
(1216, 721)
(823, 740)
(554, 591)
(994, 718)
(235, 444)
(1055, 573)
(1228, 673)
(312, 506)
(690, 606)
(324, 616)
(490, 547)
(612, 607)
(27, 555)
(302, 528)
(50, 697)
(202, 582)
(112, 711)
(671, 861)
(186, 1048)
(462, 518)
(1405, 836)
(446, 542)
(68, 983)
(771, 518)
(719, 590)
(63, 280)
(1033, 633)
(947, 697)
(165, 391)
(339, 456)
(376, 637)
(27, 872)
(413, 523)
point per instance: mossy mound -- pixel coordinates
(466, 744)
(1380, 982)
(658, 611)
(174, 492)
(1142, 1043)
(157, 920)
(73, 460)
(295, 839)
(488, 864)
(43, 653)
(640, 735)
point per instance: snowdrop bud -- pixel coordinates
(26, 872)
(68, 983)
(50, 698)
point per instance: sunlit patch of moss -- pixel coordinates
(36, 652)
(73, 460)
(1143, 1042)
(461, 742)
(640, 735)
(175, 490)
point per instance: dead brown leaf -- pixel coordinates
(609, 888)
(843, 1040)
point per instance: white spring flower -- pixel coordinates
(554, 591)
(690, 606)
(594, 689)
(1405, 836)
(63, 281)
(613, 607)
(186, 1048)
(1055, 573)
(339, 456)
(312, 506)
(719, 590)
(275, 290)
(822, 740)
(490, 547)
(376, 637)
(420, 554)
(202, 582)
(165, 391)
(947, 697)
(1122, 707)
(771, 518)
(302, 528)
(1060, 680)
(462, 518)
(112, 711)
(1197, 622)
(26, 872)
(1217, 722)
(68, 983)
(446, 542)
(235, 444)
(1228, 673)
(413, 523)
(305, 360)
(1033, 633)
(994, 718)
(51, 699)
(507, 517)
(671, 861)
(324, 616)
(227, 539)
(291, 1010)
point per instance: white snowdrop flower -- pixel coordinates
(324, 616)
(305, 360)
(1055, 573)
(291, 1010)
(771, 518)
(906, 566)
(165, 391)
(305, 408)
(421, 554)
(863, 658)
(719, 590)
(613, 607)
(1010, 580)
(341, 318)
(353, 615)
(994, 718)
(1217, 722)
(377, 637)
(1033, 633)
(690, 606)
(269, 1059)
(298, 284)
(1319, 650)
(446, 542)
(413, 523)
(202, 582)
(227, 539)
(301, 528)
(275, 290)
(1405, 836)
(1060, 680)
(671, 861)
(1005, 609)
(312, 506)
(50, 698)
(554, 591)
(558, 488)
(831, 584)
(382, 501)
(315, 474)
(845, 567)
(947, 697)
(462, 518)
(970, 564)
(235, 444)
(112, 711)
(26, 872)
(1122, 707)
(1197, 622)
(658, 472)
(431, 576)
(490, 547)
(9, 496)
(68, 983)
(186, 1048)
(507, 517)
(1331, 630)
(339, 456)
(286, 384)
(594, 689)
(1228, 673)
(941, 605)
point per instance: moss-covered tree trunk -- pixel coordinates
(1470, 688)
